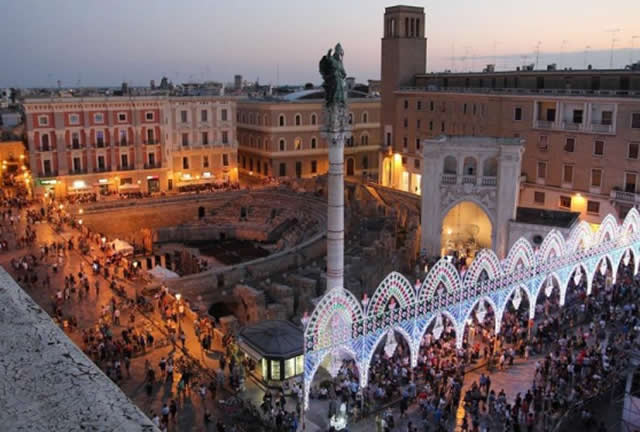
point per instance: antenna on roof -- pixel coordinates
(613, 44)
(538, 53)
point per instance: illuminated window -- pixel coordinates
(275, 369)
(299, 365)
(297, 143)
(289, 368)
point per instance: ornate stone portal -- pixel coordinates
(481, 170)
(336, 129)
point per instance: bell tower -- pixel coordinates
(404, 54)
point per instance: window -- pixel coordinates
(150, 136)
(405, 142)
(98, 118)
(44, 142)
(100, 139)
(577, 116)
(75, 140)
(633, 150)
(185, 162)
(598, 148)
(74, 119)
(416, 163)
(282, 145)
(565, 202)
(417, 143)
(205, 161)
(431, 125)
(152, 159)
(365, 162)
(464, 108)
(567, 174)
(404, 160)
(283, 169)
(365, 118)
(419, 105)
(569, 145)
(225, 137)
(258, 167)
(47, 167)
(123, 137)
(474, 109)
(297, 144)
(275, 369)
(225, 159)
(77, 164)
(124, 161)
(517, 114)
(313, 119)
(607, 118)
(184, 116)
(596, 177)
(364, 140)
(289, 368)
(204, 115)
(314, 167)
(543, 143)
(223, 115)
(149, 115)
(281, 120)
(185, 139)
(101, 162)
(630, 182)
(538, 197)
(406, 104)
(593, 207)
(442, 127)
(43, 120)
(542, 170)
(299, 119)
(431, 106)
(205, 138)
(635, 120)
(122, 117)
(406, 122)
(313, 143)
(418, 124)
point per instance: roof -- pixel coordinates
(556, 218)
(59, 389)
(273, 338)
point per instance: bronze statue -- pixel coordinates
(333, 74)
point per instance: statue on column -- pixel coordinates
(333, 74)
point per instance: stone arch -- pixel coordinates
(580, 237)
(487, 261)
(336, 304)
(470, 166)
(442, 274)
(450, 165)
(553, 246)
(473, 200)
(368, 356)
(520, 257)
(394, 286)
(490, 167)
(608, 230)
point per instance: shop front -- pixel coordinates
(153, 184)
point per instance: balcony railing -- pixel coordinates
(603, 128)
(151, 142)
(100, 145)
(47, 173)
(124, 143)
(77, 171)
(449, 179)
(469, 179)
(489, 181)
(101, 169)
(76, 147)
(45, 149)
(628, 197)
(153, 165)
(567, 125)
(544, 124)
(125, 167)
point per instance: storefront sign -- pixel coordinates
(48, 182)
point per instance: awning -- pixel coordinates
(249, 351)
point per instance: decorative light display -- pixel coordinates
(517, 298)
(438, 328)
(481, 312)
(341, 325)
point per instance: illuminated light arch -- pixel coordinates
(553, 246)
(586, 275)
(486, 260)
(336, 304)
(442, 273)
(631, 223)
(581, 234)
(608, 230)
(520, 256)
(632, 260)
(394, 286)
(557, 285)
(462, 325)
(366, 363)
(346, 349)
(508, 298)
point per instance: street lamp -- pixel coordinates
(178, 297)
(80, 211)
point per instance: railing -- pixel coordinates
(45, 149)
(544, 124)
(153, 165)
(101, 169)
(151, 142)
(469, 179)
(79, 171)
(48, 174)
(126, 168)
(489, 181)
(571, 126)
(76, 147)
(560, 92)
(123, 143)
(619, 195)
(600, 127)
(449, 179)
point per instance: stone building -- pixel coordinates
(581, 127)
(281, 137)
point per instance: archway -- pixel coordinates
(439, 337)
(350, 166)
(548, 299)
(479, 328)
(336, 367)
(516, 313)
(466, 229)
(392, 350)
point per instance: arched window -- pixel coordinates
(490, 168)
(298, 119)
(283, 144)
(470, 167)
(297, 143)
(450, 165)
(314, 119)
(314, 142)
(364, 139)
(365, 117)
(281, 120)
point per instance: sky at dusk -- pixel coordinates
(105, 42)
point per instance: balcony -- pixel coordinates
(544, 124)
(489, 181)
(151, 142)
(126, 168)
(469, 179)
(45, 149)
(626, 197)
(152, 165)
(101, 169)
(48, 174)
(76, 147)
(602, 128)
(77, 171)
(123, 143)
(571, 126)
(100, 145)
(449, 179)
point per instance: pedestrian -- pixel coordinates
(173, 409)
(165, 414)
